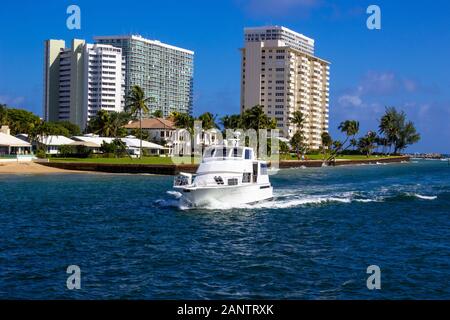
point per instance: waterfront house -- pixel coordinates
(51, 144)
(132, 144)
(159, 130)
(12, 148)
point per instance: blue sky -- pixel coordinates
(405, 64)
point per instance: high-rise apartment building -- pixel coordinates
(52, 55)
(105, 85)
(81, 80)
(163, 71)
(280, 72)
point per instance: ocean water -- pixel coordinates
(132, 240)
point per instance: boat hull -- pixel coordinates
(227, 196)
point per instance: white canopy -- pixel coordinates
(11, 141)
(55, 140)
(135, 143)
(129, 141)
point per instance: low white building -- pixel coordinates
(51, 143)
(12, 148)
(131, 142)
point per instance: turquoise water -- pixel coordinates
(314, 241)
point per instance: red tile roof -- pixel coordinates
(152, 123)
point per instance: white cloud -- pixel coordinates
(11, 101)
(350, 100)
(278, 7)
(379, 84)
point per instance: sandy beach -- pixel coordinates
(30, 168)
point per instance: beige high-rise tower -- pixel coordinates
(81, 80)
(280, 72)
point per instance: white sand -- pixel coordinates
(29, 168)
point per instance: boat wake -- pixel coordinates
(285, 199)
(280, 201)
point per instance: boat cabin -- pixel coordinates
(228, 153)
(229, 166)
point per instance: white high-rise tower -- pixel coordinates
(280, 72)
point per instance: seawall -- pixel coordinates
(317, 163)
(173, 169)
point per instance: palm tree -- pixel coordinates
(297, 119)
(118, 120)
(383, 142)
(298, 143)
(367, 144)
(408, 135)
(231, 121)
(396, 130)
(3, 114)
(284, 147)
(137, 104)
(337, 144)
(350, 128)
(390, 125)
(183, 120)
(105, 126)
(36, 132)
(298, 140)
(256, 119)
(353, 143)
(327, 141)
(158, 114)
(208, 120)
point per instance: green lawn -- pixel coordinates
(342, 157)
(187, 160)
(145, 160)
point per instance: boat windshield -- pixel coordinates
(223, 152)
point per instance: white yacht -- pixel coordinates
(228, 175)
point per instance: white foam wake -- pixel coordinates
(284, 199)
(280, 201)
(175, 194)
(424, 197)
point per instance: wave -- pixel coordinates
(284, 204)
(175, 194)
(424, 197)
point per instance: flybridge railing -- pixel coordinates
(206, 159)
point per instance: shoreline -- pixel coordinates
(33, 168)
(285, 164)
(172, 169)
